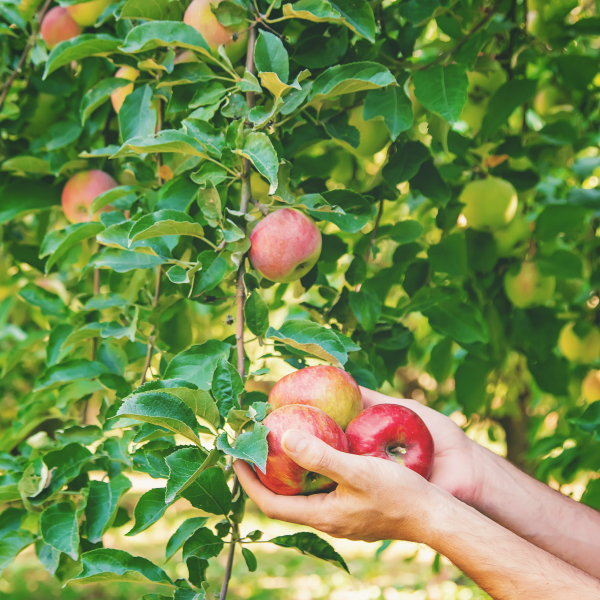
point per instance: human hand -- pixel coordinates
(458, 464)
(375, 499)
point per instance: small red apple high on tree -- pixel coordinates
(81, 190)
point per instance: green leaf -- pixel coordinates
(458, 320)
(167, 140)
(405, 163)
(502, 104)
(102, 504)
(48, 303)
(405, 232)
(312, 545)
(125, 193)
(165, 222)
(250, 559)
(58, 243)
(107, 564)
(227, 385)
(393, 105)
(367, 307)
(161, 10)
(203, 544)
(137, 117)
(357, 210)
(443, 90)
(449, 255)
(200, 402)
(431, 184)
(256, 313)
(350, 78)
(98, 95)
(27, 164)
(11, 544)
(340, 129)
(470, 383)
(80, 47)
(591, 496)
(149, 509)
(213, 271)
(259, 150)
(198, 363)
(440, 362)
(70, 371)
(209, 492)
(123, 261)
(185, 466)
(59, 528)
(183, 533)
(271, 56)
(161, 34)
(357, 15)
(162, 409)
(315, 339)
(250, 446)
(21, 196)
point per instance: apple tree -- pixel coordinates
(448, 153)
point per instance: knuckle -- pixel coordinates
(320, 460)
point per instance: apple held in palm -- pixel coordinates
(285, 245)
(392, 432)
(282, 475)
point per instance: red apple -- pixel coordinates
(81, 190)
(328, 388)
(395, 433)
(285, 245)
(118, 96)
(57, 26)
(283, 476)
(201, 17)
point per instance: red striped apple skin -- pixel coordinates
(285, 245)
(328, 388)
(393, 432)
(81, 190)
(283, 476)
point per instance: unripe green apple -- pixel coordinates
(590, 388)
(57, 26)
(118, 96)
(550, 102)
(47, 112)
(374, 134)
(512, 239)
(583, 350)
(490, 203)
(87, 13)
(528, 287)
(200, 16)
(285, 245)
(81, 190)
(482, 86)
(260, 186)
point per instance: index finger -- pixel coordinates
(371, 398)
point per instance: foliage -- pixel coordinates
(120, 347)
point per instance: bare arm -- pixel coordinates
(490, 484)
(377, 499)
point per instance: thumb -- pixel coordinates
(315, 455)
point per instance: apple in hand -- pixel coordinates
(81, 190)
(327, 388)
(201, 17)
(57, 26)
(392, 432)
(285, 245)
(283, 476)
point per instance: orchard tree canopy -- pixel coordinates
(449, 154)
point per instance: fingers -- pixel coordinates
(315, 455)
(294, 509)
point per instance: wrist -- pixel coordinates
(483, 476)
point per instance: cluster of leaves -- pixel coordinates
(400, 280)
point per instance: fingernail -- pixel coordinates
(294, 441)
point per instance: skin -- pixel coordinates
(282, 474)
(393, 433)
(489, 203)
(87, 13)
(528, 287)
(81, 190)
(590, 388)
(285, 245)
(328, 388)
(57, 26)
(514, 536)
(579, 350)
(118, 96)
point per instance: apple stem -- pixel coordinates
(240, 298)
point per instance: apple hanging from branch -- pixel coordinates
(57, 26)
(81, 190)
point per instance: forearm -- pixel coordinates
(504, 565)
(537, 513)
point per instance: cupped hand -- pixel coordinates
(375, 499)
(457, 467)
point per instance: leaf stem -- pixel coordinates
(151, 336)
(374, 232)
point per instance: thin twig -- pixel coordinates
(374, 232)
(30, 44)
(442, 57)
(151, 336)
(84, 410)
(240, 298)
